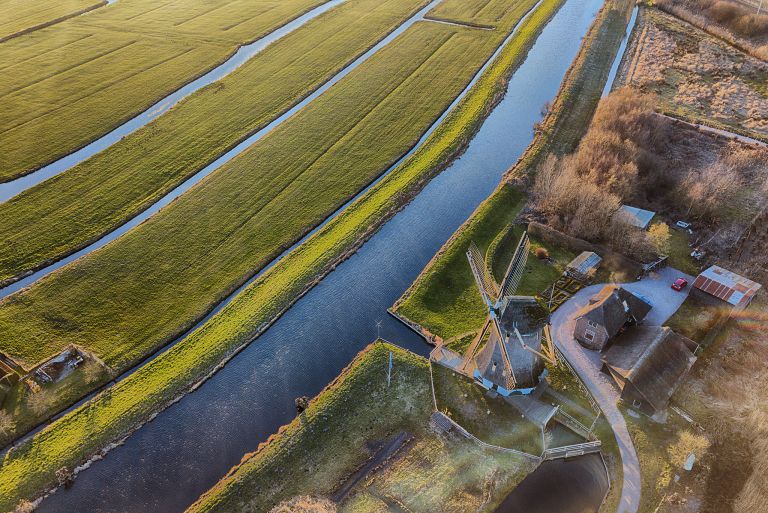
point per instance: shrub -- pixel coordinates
(541, 253)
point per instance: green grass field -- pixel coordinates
(65, 85)
(491, 419)
(106, 190)
(430, 472)
(485, 13)
(444, 298)
(160, 278)
(22, 16)
(30, 468)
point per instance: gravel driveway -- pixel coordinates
(665, 301)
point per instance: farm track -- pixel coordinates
(297, 272)
(133, 179)
(40, 20)
(55, 96)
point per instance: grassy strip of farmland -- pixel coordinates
(443, 299)
(135, 295)
(65, 85)
(335, 418)
(481, 13)
(19, 17)
(74, 208)
(114, 414)
(359, 410)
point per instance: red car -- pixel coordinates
(680, 284)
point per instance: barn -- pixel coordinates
(727, 286)
(648, 363)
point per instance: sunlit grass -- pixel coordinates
(65, 85)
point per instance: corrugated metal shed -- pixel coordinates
(638, 216)
(727, 285)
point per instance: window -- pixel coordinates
(589, 335)
(592, 323)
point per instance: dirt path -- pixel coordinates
(381, 456)
(587, 365)
(717, 131)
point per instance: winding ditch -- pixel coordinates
(170, 461)
(241, 56)
(223, 159)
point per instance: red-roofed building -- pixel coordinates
(727, 286)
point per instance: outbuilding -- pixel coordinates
(637, 216)
(584, 266)
(724, 285)
(648, 363)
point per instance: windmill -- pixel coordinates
(516, 329)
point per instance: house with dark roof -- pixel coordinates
(608, 313)
(648, 363)
(720, 284)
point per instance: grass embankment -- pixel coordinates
(490, 419)
(444, 298)
(106, 190)
(31, 468)
(19, 17)
(168, 273)
(332, 439)
(65, 85)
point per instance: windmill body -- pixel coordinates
(509, 353)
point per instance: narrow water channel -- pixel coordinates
(221, 160)
(169, 462)
(240, 57)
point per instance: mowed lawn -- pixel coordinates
(64, 213)
(136, 294)
(65, 85)
(20, 16)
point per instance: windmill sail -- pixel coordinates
(485, 283)
(516, 267)
(509, 373)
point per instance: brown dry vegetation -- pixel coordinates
(724, 394)
(732, 21)
(697, 77)
(631, 155)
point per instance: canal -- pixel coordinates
(169, 462)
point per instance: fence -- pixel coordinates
(573, 424)
(570, 451)
(561, 357)
(485, 445)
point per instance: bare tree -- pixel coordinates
(709, 190)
